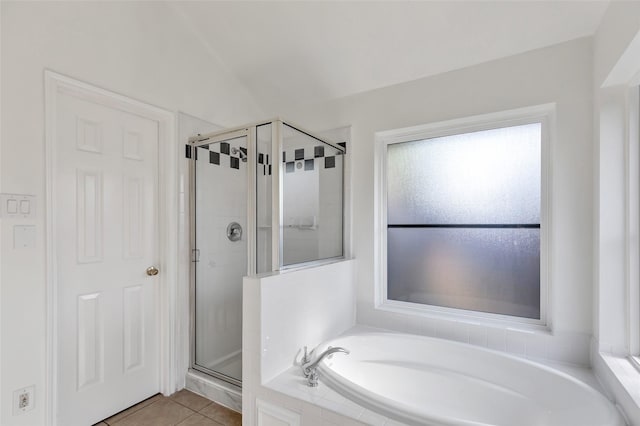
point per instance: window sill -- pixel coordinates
(467, 317)
(622, 379)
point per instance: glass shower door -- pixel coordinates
(220, 258)
(263, 197)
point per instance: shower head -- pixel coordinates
(242, 155)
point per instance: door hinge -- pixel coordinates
(195, 255)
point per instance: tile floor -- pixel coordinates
(183, 408)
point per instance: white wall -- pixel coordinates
(138, 49)
(560, 74)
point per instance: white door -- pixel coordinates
(106, 192)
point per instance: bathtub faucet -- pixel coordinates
(309, 368)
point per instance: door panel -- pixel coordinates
(105, 226)
(220, 181)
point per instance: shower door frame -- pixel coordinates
(277, 258)
(195, 142)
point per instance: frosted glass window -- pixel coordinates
(463, 219)
(486, 270)
(491, 176)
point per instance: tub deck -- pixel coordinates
(498, 404)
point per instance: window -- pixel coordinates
(463, 216)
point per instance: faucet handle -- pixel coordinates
(306, 359)
(312, 379)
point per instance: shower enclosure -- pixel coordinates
(264, 197)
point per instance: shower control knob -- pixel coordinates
(234, 231)
(152, 270)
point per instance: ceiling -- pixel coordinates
(294, 53)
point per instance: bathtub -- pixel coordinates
(427, 381)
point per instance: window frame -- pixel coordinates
(544, 114)
(632, 224)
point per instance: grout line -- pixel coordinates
(186, 406)
(219, 421)
(141, 405)
(191, 415)
(192, 409)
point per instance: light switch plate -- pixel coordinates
(19, 206)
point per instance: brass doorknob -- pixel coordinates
(152, 270)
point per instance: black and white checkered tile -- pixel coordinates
(220, 154)
(264, 163)
(309, 158)
(224, 154)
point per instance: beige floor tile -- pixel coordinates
(198, 420)
(222, 415)
(163, 412)
(190, 400)
(122, 414)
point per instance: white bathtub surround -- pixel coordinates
(304, 307)
(293, 384)
(426, 381)
(282, 312)
(562, 346)
(619, 377)
(326, 406)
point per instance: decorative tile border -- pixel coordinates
(217, 154)
(305, 156)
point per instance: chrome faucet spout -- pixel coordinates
(310, 368)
